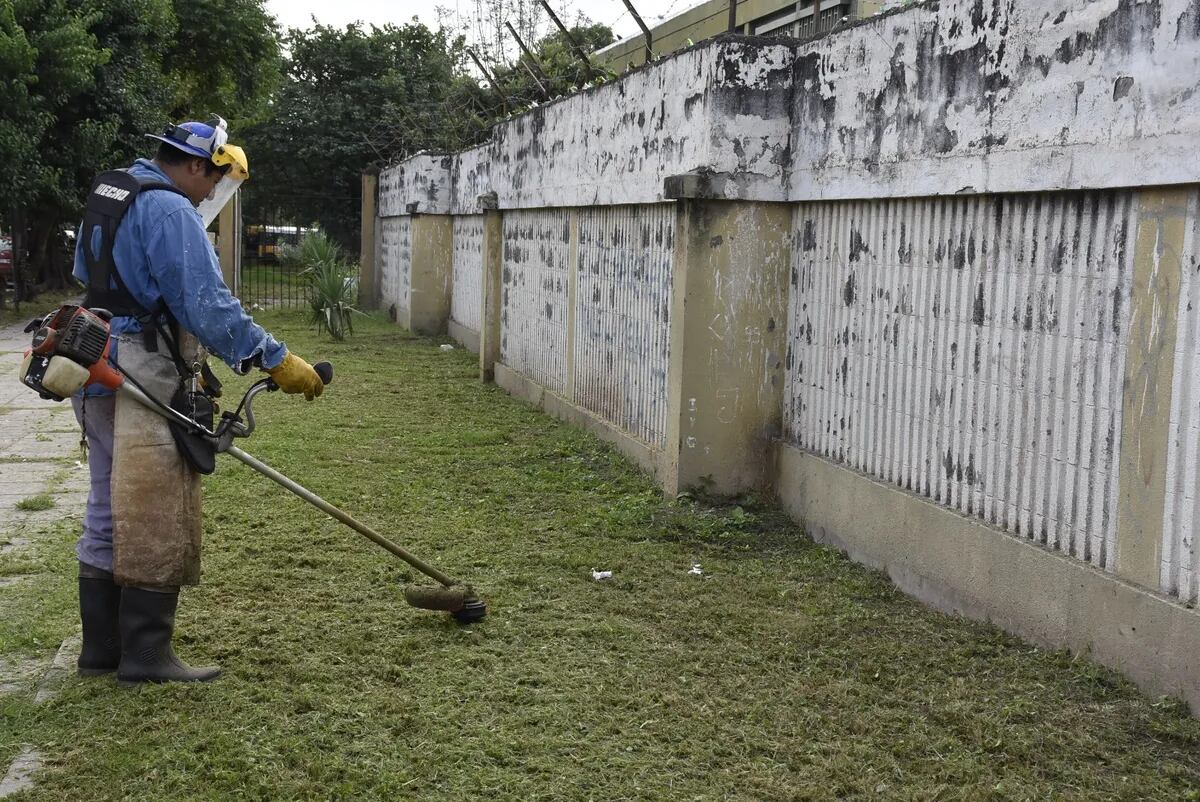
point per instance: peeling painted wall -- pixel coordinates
(535, 281)
(970, 350)
(418, 184)
(1000, 96)
(1181, 518)
(470, 178)
(960, 331)
(958, 96)
(395, 262)
(466, 300)
(722, 106)
(622, 318)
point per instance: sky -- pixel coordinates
(338, 13)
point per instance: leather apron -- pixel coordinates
(155, 493)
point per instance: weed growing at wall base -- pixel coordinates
(781, 672)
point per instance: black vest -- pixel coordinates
(111, 196)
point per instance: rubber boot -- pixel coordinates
(147, 622)
(99, 602)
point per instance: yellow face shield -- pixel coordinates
(227, 187)
(236, 158)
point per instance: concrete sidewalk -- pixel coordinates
(39, 450)
(39, 453)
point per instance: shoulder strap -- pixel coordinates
(111, 195)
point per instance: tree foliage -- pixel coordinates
(352, 97)
(225, 59)
(557, 68)
(86, 79)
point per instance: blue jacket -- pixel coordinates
(162, 252)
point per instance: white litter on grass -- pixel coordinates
(447, 347)
(599, 575)
(697, 570)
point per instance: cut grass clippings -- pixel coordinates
(781, 672)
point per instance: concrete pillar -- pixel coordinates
(368, 277)
(728, 339)
(493, 286)
(432, 273)
(229, 241)
(1149, 376)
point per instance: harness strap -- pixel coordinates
(111, 195)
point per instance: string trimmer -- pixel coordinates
(71, 351)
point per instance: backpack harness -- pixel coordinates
(112, 193)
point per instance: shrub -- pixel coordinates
(331, 280)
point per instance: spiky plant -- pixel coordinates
(331, 282)
(334, 287)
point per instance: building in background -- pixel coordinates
(802, 19)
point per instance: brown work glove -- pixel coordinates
(294, 375)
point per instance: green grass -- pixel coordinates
(39, 306)
(785, 672)
(42, 501)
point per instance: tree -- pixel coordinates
(225, 59)
(87, 79)
(561, 71)
(351, 97)
(51, 56)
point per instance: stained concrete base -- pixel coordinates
(465, 337)
(961, 565)
(515, 384)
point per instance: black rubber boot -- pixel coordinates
(147, 622)
(99, 601)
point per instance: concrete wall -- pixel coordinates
(967, 96)
(930, 279)
(535, 295)
(970, 350)
(621, 329)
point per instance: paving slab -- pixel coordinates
(62, 667)
(39, 453)
(20, 676)
(20, 774)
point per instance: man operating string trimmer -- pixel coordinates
(143, 254)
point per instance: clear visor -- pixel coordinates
(211, 206)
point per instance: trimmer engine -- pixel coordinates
(69, 350)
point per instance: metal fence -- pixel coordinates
(266, 279)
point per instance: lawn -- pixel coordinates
(782, 671)
(41, 305)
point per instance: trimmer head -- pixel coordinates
(472, 610)
(460, 602)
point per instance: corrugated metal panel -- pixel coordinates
(1181, 517)
(534, 296)
(970, 350)
(622, 320)
(395, 259)
(466, 297)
